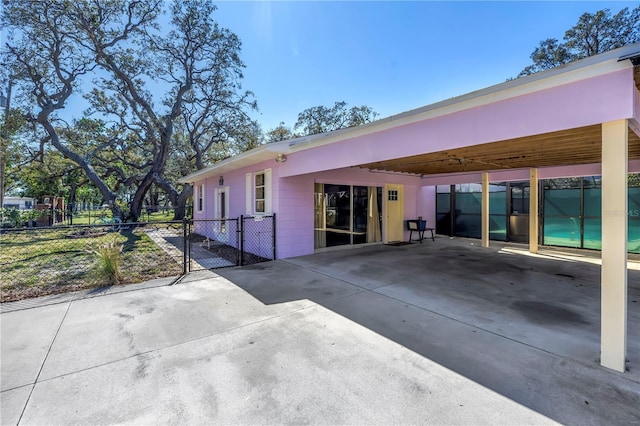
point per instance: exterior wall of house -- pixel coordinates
(235, 186)
(293, 202)
(427, 205)
(295, 232)
(590, 101)
(635, 121)
(295, 214)
(235, 182)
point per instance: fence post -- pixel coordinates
(238, 242)
(241, 240)
(185, 247)
(273, 231)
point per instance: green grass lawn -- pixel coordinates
(39, 262)
(93, 217)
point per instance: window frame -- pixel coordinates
(200, 198)
(250, 193)
(255, 193)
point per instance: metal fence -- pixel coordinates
(91, 215)
(219, 243)
(258, 242)
(213, 243)
(48, 260)
(37, 261)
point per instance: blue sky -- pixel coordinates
(391, 56)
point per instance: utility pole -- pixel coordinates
(4, 142)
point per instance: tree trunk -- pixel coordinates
(135, 207)
(108, 195)
(4, 143)
(178, 199)
(72, 196)
(180, 208)
(153, 197)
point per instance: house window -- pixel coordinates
(200, 201)
(393, 195)
(259, 192)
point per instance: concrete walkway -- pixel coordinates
(438, 333)
(172, 242)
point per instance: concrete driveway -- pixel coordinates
(439, 333)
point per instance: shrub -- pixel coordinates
(12, 217)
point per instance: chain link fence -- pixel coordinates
(213, 243)
(89, 215)
(38, 261)
(49, 260)
(258, 239)
(219, 243)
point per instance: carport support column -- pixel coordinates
(533, 211)
(485, 209)
(615, 157)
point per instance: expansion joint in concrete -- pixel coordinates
(45, 360)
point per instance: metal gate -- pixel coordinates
(222, 243)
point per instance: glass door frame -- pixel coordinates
(325, 229)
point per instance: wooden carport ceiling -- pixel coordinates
(567, 147)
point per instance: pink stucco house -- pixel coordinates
(542, 159)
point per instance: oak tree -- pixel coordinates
(321, 119)
(147, 77)
(594, 33)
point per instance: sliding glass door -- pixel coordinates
(346, 214)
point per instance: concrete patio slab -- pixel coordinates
(134, 323)
(12, 403)
(444, 333)
(546, 301)
(280, 371)
(566, 390)
(26, 338)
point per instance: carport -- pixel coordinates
(579, 119)
(587, 116)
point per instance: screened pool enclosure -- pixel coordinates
(570, 211)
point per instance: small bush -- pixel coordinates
(108, 254)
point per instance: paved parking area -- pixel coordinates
(443, 332)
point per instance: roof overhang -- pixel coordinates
(532, 151)
(567, 147)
